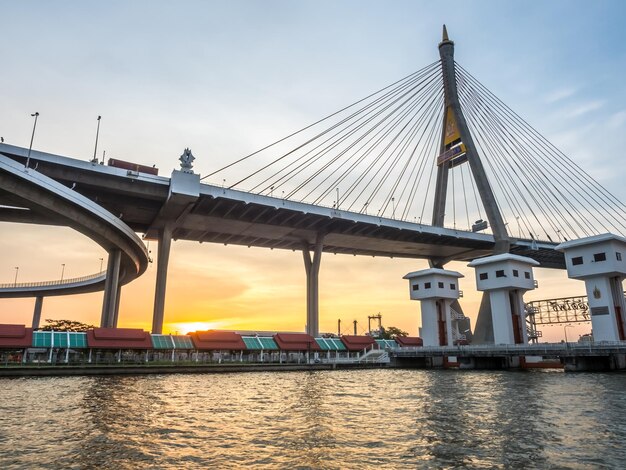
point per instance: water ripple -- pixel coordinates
(330, 420)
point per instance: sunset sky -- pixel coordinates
(228, 77)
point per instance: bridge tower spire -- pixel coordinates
(457, 147)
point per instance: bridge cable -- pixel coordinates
(392, 125)
(469, 227)
(429, 111)
(433, 91)
(485, 142)
(426, 154)
(508, 166)
(481, 112)
(510, 130)
(399, 91)
(532, 174)
(436, 63)
(561, 166)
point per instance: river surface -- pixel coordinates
(329, 419)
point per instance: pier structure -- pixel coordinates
(436, 289)
(599, 262)
(504, 279)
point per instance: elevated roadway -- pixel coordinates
(181, 207)
(35, 197)
(214, 214)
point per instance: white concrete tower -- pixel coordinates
(506, 278)
(435, 289)
(598, 260)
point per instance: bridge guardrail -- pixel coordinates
(547, 349)
(59, 282)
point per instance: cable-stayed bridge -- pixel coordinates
(433, 166)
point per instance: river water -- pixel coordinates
(331, 419)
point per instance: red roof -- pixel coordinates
(15, 336)
(118, 338)
(218, 340)
(296, 342)
(409, 341)
(357, 343)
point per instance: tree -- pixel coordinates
(392, 332)
(65, 325)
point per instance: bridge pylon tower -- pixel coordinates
(457, 147)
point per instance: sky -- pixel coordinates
(226, 78)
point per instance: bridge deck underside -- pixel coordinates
(224, 220)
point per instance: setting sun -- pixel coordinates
(188, 327)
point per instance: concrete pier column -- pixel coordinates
(165, 242)
(117, 306)
(111, 289)
(37, 312)
(312, 268)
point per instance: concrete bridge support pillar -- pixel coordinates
(110, 302)
(118, 296)
(312, 268)
(163, 257)
(436, 289)
(37, 312)
(504, 278)
(600, 261)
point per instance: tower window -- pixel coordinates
(599, 257)
(515, 273)
(453, 286)
(578, 260)
(416, 287)
(500, 273)
(618, 255)
(483, 276)
(440, 285)
(526, 275)
(427, 285)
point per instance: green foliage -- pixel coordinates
(65, 325)
(392, 332)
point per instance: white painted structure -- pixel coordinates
(598, 260)
(436, 289)
(506, 278)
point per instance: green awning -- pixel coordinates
(386, 343)
(172, 342)
(330, 344)
(59, 339)
(258, 343)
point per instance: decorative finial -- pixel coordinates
(445, 34)
(186, 161)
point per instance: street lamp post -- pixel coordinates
(32, 137)
(95, 159)
(62, 270)
(17, 269)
